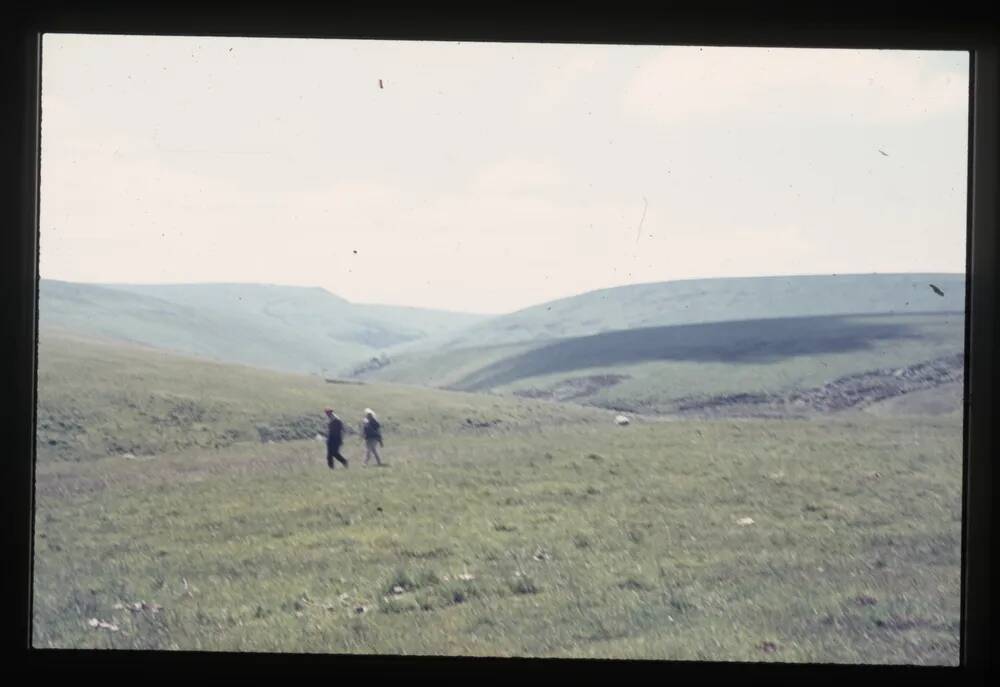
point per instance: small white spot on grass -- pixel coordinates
(102, 625)
(744, 521)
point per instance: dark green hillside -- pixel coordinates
(746, 342)
(648, 369)
(635, 347)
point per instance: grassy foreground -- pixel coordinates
(574, 539)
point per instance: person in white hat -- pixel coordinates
(372, 432)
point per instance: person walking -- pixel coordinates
(372, 431)
(334, 439)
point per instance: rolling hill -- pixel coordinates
(699, 301)
(287, 328)
(166, 519)
(652, 369)
(97, 398)
(642, 348)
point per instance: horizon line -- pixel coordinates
(505, 312)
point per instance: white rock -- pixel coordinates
(100, 624)
(745, 521)
(465, 577)
(622, 420)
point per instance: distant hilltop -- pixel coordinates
(310, 330)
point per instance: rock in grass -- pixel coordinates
(744, 521)
(400, 603)
(622, 420)
(102, 625)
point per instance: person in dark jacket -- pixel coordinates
(372, 431)
(334, 439)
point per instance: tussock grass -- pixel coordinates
(494, 550)
(554, 533)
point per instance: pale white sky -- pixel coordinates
(490, 177)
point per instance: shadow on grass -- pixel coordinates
(741, 342)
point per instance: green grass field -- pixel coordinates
(96, 399)
(550, 532)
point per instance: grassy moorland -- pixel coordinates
(501, 526)
(97, 399)
(649, 369)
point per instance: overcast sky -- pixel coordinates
(490, 177)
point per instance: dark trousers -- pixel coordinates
(333, 451)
